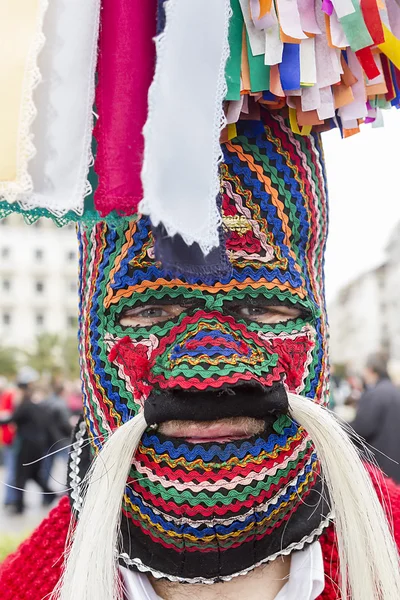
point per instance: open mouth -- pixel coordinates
(221, 430)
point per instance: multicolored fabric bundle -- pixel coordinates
(206, 511)
(327, 61)
(335, 63)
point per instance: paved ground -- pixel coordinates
(22, 525)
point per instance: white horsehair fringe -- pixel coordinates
(91, 571)
(368, 556)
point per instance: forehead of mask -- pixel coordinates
(273, 213)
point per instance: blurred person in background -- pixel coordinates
(33, 424)
(7, 436)
(378, 415)
(74, 398)
(61, 427)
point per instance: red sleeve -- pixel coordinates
(32, 572)
(389, 495)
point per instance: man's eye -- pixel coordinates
(149, 315)
(269, 314)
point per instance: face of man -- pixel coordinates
(209, 360)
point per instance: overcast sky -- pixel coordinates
(364, 193)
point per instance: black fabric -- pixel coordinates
(305, 523)
(378, 422)
(180, 259)
(33, 431)
(209, 406)
(307, 519)
(160, 16)
(24, 472)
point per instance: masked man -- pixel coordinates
(206, 463)
(203, 394)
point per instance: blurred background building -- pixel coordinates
(38, 297)
(38, 280)
(364, 316)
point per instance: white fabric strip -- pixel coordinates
(182, 148)
(327, 108)
(307, 16)
(339, 38)
(234, 109)
(329, 67)
(383, 13)
(308, 65)
(393, 11)
(343, 8)
(64, 100)
(358, 108)
(289, 18)
(310, 98)
(256, 36)
(273, 42)
(379, 119)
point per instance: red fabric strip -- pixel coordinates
(372, 20)
(391, 93)
(125, 72)
(367, 62)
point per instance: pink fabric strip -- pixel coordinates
(125, 72)
(307, 16)
(265, 22)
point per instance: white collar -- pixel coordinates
(306, 578)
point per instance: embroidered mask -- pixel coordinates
(209, 348)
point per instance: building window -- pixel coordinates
(6, 285)
(39, 319)
(6, 318)
(39, 254)
(71, 256)
(39, 287)
(5, 252)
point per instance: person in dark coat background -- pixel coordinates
(378, 416)
(32, 422)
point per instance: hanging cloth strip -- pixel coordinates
(182, 134)
(125, 72)
(63, 127)
(332, 63)
(21, 39)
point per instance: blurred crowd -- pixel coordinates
(370, 402)
(36, 422)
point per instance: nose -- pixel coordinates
(238, 401)
(213, 346)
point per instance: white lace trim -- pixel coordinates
(284, 552)
(74, 472)
(63, 132)
(180, 190)
(9, 190)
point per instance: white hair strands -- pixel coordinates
(369, 559)
(91, 570)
